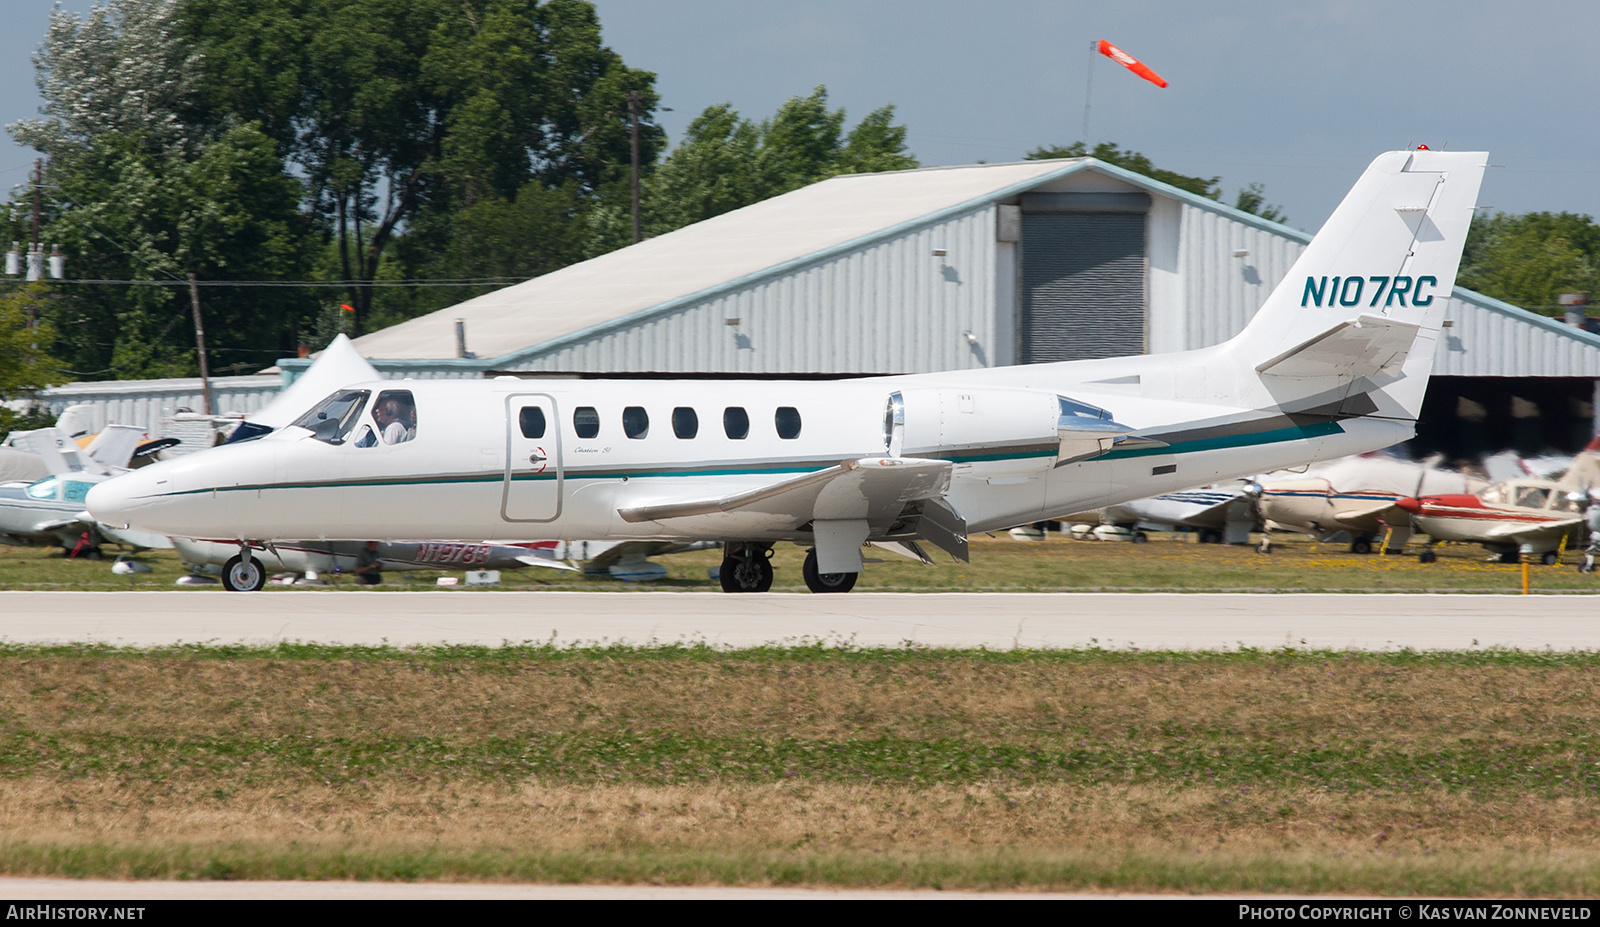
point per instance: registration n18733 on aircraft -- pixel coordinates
(1334, 363)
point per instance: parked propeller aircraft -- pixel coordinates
(1515, 518)
(1530, 517)
(51, 510)
(1219, 514)
(1358, 495)
(329, 557)
(1334, 363)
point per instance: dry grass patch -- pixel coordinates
(1247, 771)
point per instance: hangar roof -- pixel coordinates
(773, 237)
(762, 239)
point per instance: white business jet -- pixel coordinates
(1334, 363)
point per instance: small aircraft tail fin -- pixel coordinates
(59, 453)
(1375, 279)
(113, 447)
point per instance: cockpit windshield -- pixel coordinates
(331, 419)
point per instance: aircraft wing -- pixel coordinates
(625, 549)
(876, 489)
(1195, 508)
(130, 536)
(1526, 533)
(1369, 519)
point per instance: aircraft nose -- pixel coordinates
(1409, 504)
(113, 501)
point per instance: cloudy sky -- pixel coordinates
(1297, 96)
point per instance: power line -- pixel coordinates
(335, 284)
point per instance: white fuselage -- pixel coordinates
(471, 473)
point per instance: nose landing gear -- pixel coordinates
(243, 573)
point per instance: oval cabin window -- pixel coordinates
(788, 421)
(735, 423)
(635, 422)
(585, 422)
(685, 423)
(531, 419)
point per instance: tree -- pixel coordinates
(140, 188)
(1130, 161)
(726, 162)
(1252, 199)
(405, 110)
(1529, 260)
(25, 361)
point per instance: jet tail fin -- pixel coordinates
(1376, 277)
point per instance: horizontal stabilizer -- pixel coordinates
(1369, 346)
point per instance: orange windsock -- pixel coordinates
(1131, 63)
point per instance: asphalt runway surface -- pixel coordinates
(996, 621)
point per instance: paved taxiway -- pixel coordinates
(997, 621)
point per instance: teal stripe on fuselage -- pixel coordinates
(1276, 436)
(1222, 442)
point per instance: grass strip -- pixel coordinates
(1438, 874)
(1552, 769)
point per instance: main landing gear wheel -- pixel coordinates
(1210, 536)
(243, 575)
(1427, 556)
(1361, 546)
(1550, 558)
(1139, 537)
(745, 568)
(825, 582)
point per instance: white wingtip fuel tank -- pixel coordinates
(1334, 363)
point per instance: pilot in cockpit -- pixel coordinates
(396, 418)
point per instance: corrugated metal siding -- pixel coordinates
(1221, 292)
(890, 307)
(1493, 341)
(146, 402)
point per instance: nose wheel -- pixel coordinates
(243, 574)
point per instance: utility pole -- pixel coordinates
(633, 120)
(200, 341)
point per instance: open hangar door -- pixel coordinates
(1469, 418)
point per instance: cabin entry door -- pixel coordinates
(533, 479)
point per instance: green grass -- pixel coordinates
(1167, 564)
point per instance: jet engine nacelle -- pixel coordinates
(1024, 428)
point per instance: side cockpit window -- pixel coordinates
(394, 419)
(331, 420)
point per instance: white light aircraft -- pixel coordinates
(1335, 363)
